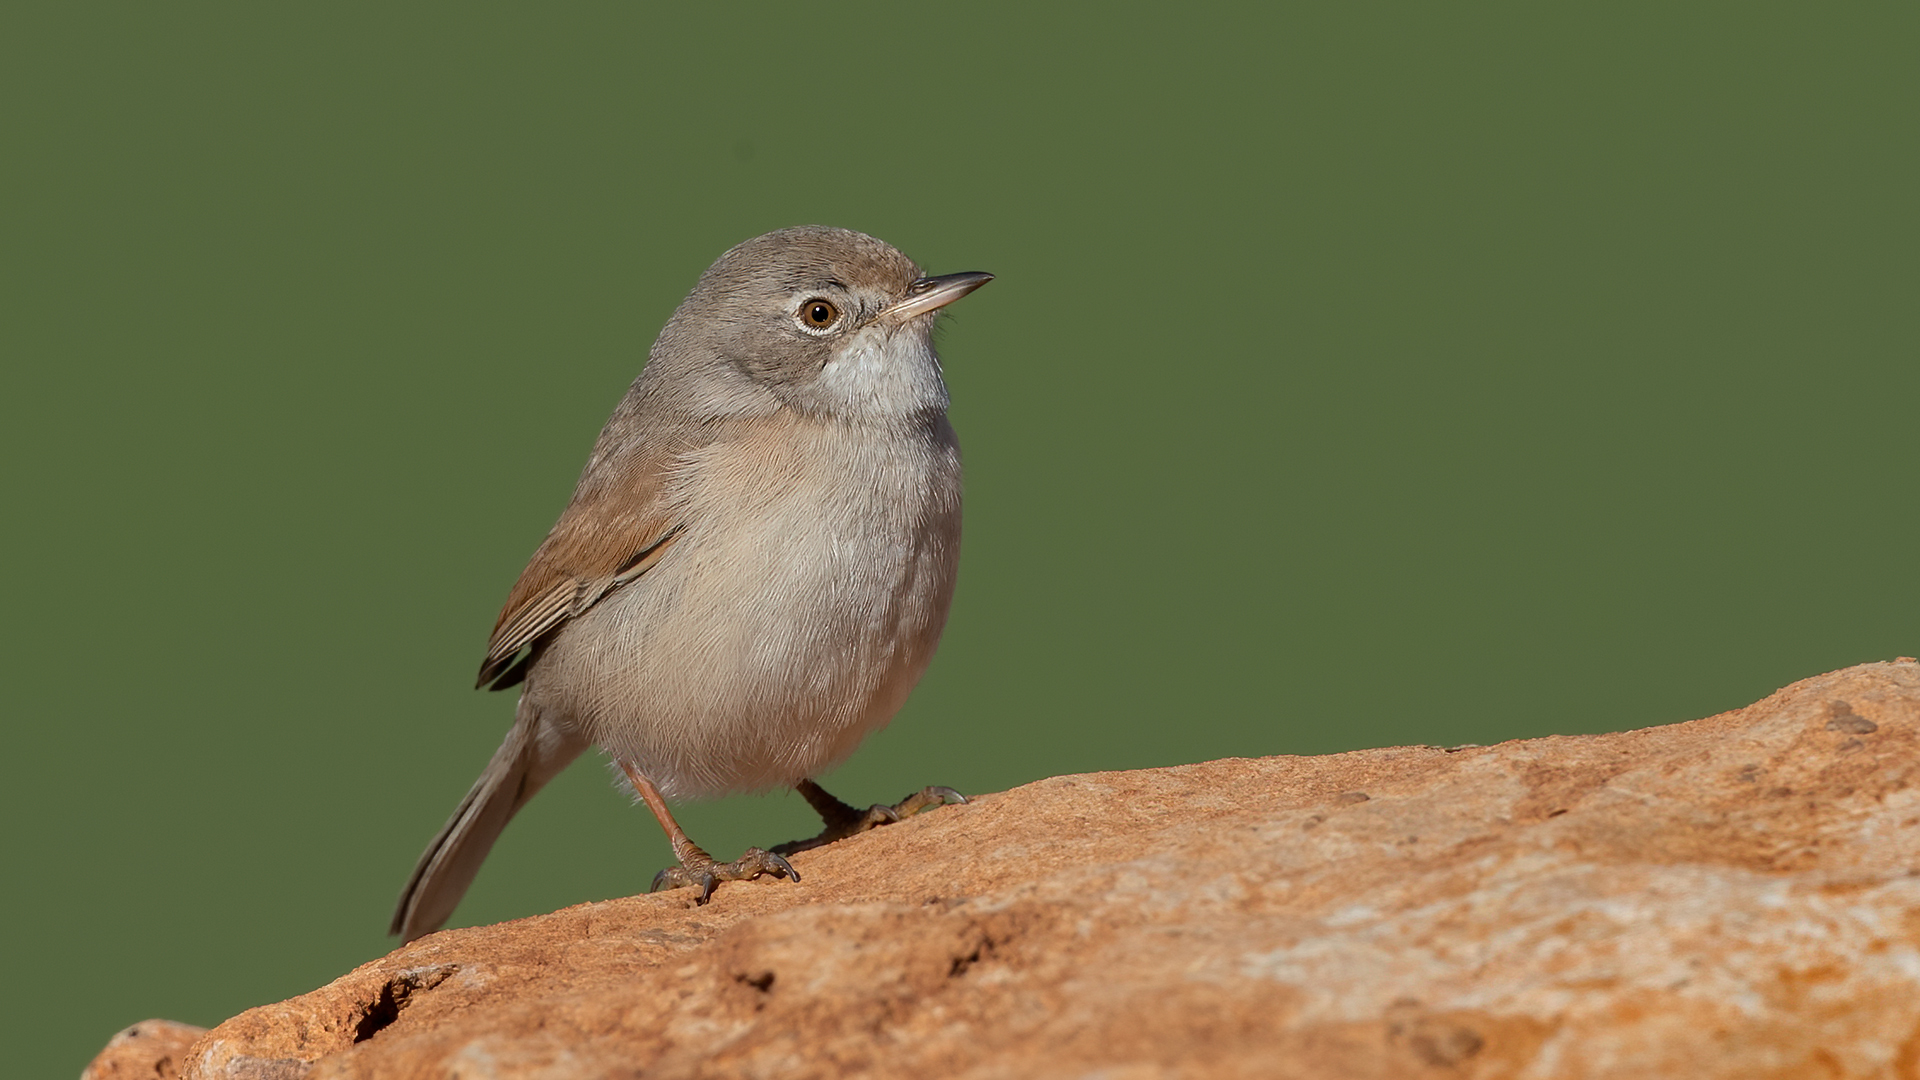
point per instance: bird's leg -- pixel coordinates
(696, 866)
(842, 821)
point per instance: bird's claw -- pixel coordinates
(843, 821)
(701, 870)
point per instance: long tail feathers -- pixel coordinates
(526, 760)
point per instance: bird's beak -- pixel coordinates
(933, 293)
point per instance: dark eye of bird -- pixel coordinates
(818, 314)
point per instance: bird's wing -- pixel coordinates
(611, 533)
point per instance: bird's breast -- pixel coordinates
(798, 607)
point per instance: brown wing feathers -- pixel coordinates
(594, 547)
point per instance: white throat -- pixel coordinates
(884, 373)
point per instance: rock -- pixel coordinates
(149, 1050)
(1731, 897)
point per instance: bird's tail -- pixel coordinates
(533, 753)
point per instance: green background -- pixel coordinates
(1353, 377)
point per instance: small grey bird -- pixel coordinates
(754, 569)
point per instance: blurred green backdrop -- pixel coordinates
(1355, 375)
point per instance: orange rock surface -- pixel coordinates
(149, 1050)
(1731, 897)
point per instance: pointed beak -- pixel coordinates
(934, 293)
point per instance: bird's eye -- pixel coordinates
(818, 314)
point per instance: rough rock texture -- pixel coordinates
(149, 1050)
(1734, 896)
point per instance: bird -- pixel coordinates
(755, 566)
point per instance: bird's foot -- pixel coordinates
(699, 869)
(842, 820)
